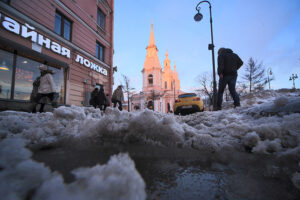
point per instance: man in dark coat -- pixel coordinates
(101, 99)
(228, 65)
(118, 97)
(94, 98)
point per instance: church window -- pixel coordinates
(166, 84)
(150, 79)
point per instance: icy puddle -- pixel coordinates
(175, 173)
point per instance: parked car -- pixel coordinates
(188, 103)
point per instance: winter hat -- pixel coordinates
(220, 50)
(43, 67)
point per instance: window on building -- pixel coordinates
(100, 51)
(166, 85)
(62, 26)
(150, 79)
(6, 70)
(26, 72)
(101, 18)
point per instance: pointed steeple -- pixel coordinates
(152, 73)
(152, 60)
(167, 62)
(174, 67)
(152, 39)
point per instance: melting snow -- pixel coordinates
(267, 123)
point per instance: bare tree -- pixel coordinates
(255, 74)
(206, 83)
(128, 89)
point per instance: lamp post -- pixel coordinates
(269, 72)
(198, 17)
(293, 77)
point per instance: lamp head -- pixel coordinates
(198, 16)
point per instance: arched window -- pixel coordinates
(150, 79)
(166, 84)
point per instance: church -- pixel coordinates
(160, 86)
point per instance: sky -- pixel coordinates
(266, 30)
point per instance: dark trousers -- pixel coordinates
(39, 97)
(115, 102)
(102, 107)
(229, 80)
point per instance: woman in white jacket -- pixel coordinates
(46, 87)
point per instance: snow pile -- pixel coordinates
(227, 129)
(270, 126)
(146, 127)
(116, 180)
(23, 178)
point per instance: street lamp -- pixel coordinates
(293, 77)
(211, 47)
(269, 72)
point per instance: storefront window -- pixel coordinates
(6, 70)
(27, 71)
(59, 80)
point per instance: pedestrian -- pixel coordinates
(118, 97)
(228, 65)
(107, 102)
(94, 97)
(101, 99)
(46, 88)
(35, 87)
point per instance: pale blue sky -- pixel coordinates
(267, 30)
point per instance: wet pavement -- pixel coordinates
(176, 173)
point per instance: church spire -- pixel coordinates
(152, 40)
(152, 60)
(167, 63)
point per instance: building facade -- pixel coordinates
(160, 86)
(72, 38)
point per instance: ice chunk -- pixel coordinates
(118, 179)
(12, 152)
(251, 139)
(281, 101)
(20, 174)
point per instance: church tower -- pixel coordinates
(176, 79)
(152, 73)
(167, 74)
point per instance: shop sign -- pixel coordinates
(91, 65)
(27, 31)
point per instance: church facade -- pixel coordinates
(160, 85)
